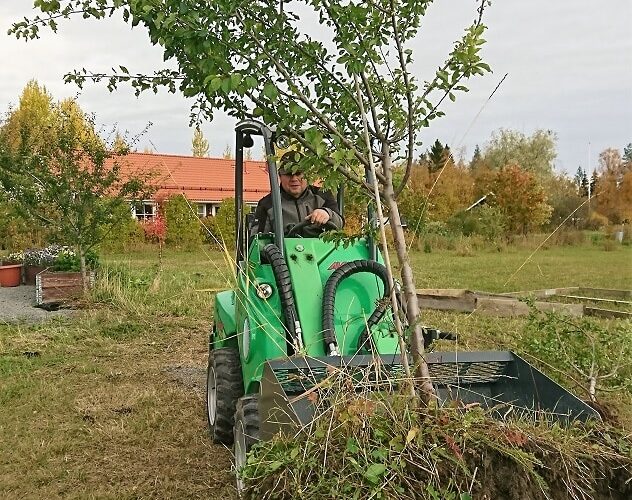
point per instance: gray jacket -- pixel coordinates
(295, 210)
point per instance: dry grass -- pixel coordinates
(107, 406)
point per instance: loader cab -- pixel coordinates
(246, 132)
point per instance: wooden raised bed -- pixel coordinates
(54, 289)
(509, 304)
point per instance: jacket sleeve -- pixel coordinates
(331, 207)
(261, 219)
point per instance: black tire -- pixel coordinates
(224, 386)
(246, 432)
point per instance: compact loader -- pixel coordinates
(304, 307)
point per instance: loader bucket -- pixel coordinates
(498, 380)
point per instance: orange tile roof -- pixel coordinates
(199, 179)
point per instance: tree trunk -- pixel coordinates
(84, 270)
(408, 284)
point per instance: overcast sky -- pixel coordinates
(569, 65)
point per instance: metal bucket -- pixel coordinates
(498, 380)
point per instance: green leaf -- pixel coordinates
(374, 471)
(216, 83)
(298, 110)
(226, 85)
(235, 80)
(277, 464)
(270, 91)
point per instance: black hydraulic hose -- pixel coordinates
(284, 286)
(329, 298)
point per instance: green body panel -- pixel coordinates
(310, 262)
(224, 326)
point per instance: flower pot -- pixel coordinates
(30, 272)
(10, 274)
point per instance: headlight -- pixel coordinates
(264, 291)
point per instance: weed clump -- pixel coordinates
(382, 446)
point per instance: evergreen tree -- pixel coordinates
(593, 182)
(476, 157)
(438, 156)
(627, 153)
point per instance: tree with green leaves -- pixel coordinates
(345, 91)
(199, 144)
(535, 153)
(65, 176)
(34, 112)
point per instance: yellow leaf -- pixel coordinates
(412, 433)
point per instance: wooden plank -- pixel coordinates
(542, 293)
(505, 307)
(446, 299)
(606, 313)
(595, 299)
(508, 307)
(607, 292)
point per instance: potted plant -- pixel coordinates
(11, 269)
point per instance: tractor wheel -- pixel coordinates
(224, 386)
(246, 432)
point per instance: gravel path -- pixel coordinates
(17, 304)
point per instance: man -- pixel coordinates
(299, 202)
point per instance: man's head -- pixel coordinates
(292, 183)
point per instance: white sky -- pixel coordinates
(569, 64)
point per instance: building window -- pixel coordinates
(205, 209)
(144, 211)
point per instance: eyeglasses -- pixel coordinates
(290, 174)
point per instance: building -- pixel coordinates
(205, 182)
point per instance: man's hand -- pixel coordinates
(318, 216)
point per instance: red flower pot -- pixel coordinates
(10, 274)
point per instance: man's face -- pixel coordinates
(294, 184)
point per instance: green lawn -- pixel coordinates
(514, 270)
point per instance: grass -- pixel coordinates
(512, 270)
(106, 405)
(109, 402)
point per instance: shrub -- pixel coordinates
(126, 234)
(596, 221)
(583, 350)
(183, 230)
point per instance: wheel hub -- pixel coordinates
(211, 396)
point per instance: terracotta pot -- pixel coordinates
(10, 274)
(30, 272)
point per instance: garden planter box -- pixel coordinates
(10, 274)
(59, 288)
(30, 272)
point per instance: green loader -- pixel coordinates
(303, 308)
